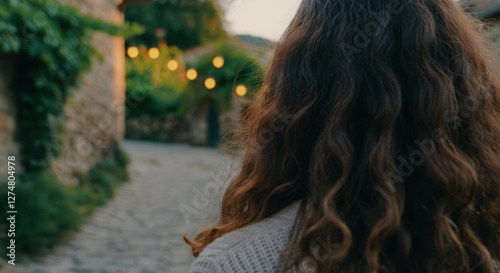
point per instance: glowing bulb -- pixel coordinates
(218, 62)
(172, 65)
(133, 52)
(210, 83)
(241, 90)
(191, 74)
(154, 53)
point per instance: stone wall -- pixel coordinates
(192, 129)
(228, 121)
(7, 121)
(95, 113)
(168, 128)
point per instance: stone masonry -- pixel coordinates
(95, 113)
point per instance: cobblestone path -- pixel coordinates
(141, 229)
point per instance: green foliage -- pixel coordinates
(239, 69)
(46, 210)
(99, 184)
(152, 89)
(50, 46)
(122, 160)
(49, 210)
(155, 91)
(185, 23)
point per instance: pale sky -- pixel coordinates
(264, 18)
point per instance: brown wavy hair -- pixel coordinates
(382, 117)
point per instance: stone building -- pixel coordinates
(95, 113)
(94, 122)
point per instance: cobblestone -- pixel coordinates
(141, 229)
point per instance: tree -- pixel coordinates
(152, 88)
(184, 24)
(239, 68)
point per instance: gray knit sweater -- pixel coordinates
(254, 249)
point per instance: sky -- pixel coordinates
(263, 18)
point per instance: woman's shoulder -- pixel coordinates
(255, 248)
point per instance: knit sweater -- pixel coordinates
(253, 249)
(257, 248)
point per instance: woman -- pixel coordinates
(374, 147)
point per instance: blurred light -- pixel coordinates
(133, 52)
(172, 65)
(154, 53)
(210, 83)
(160, 33)
(241, 90)
(191, 74)
(218, 62)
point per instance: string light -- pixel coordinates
(218, 62)
(133, 52)
(241, 90)
(210, 83)
(154, 53)
(191, 74)
(172, 65)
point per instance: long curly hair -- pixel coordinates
(382, 117)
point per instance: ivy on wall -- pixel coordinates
(49, 46)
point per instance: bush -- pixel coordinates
(48, 211)
(99, 184)
(152, 89)
(240, 68)
(122, 160)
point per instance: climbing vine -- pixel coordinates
(49, 46)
